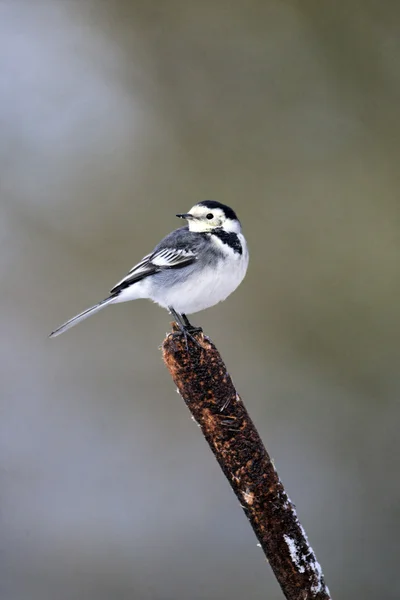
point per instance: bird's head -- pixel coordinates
(208, 215)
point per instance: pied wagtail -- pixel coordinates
(192, 268)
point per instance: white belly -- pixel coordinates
(196, 293)
(209, 288)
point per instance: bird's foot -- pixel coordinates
(185, 329)
(188, 335)
(189, 327)
(192, 329)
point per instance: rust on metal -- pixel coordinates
(207, 389)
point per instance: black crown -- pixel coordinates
(229, 213)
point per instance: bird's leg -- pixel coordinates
(185, 328)
(189, 326)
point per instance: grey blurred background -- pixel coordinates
(114, 116)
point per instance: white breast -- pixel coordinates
(212, 285)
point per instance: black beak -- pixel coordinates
(187, 216)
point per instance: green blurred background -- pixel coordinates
(115, 116)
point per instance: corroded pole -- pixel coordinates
(208, 391)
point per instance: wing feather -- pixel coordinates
(159, 260)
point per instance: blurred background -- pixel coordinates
(114, 116)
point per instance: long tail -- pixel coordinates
(83, 315)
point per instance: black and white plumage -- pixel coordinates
(191, 269)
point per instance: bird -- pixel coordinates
(193, 268)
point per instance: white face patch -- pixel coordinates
(206, 219)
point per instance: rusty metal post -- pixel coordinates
(207, 389)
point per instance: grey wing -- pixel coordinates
(159, 260)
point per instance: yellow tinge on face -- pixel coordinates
(200, 223)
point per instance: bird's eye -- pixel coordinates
(209, 216)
